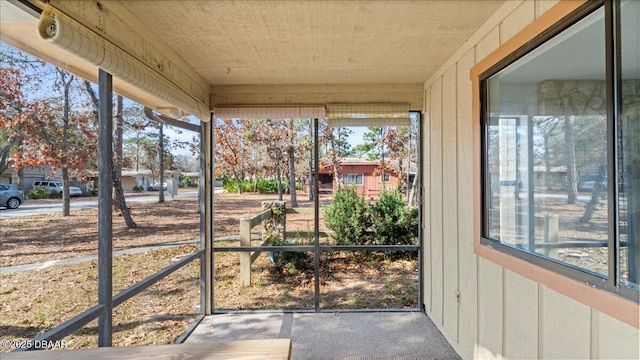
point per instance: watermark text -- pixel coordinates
(34, 344)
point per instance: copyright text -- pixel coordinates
(33, 344)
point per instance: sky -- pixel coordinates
(172, 133)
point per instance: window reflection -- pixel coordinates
(629, 127)
(546, 145)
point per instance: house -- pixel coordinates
(6, 177)
(32, 174)
(144, 178)
(479, 73)
(368, 177)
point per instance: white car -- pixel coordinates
(56, 187)
(156, 187)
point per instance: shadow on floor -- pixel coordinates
(334, 335)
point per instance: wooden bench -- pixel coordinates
(245, 349)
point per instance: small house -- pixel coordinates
(369, 177)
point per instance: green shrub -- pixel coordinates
(231, 186)
(268, 186)
(288, 262)
(393, 223)
(187, 181)
(138, 188)
(347, 216)
(41, 194)
(262, 186)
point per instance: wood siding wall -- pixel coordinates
(483, 309)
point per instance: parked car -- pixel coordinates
(56, 187)
(10, 196)
(156, 187)
(589, 183)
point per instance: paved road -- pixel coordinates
(34, 207)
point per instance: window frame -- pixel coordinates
(383, 175)
(610, 282)
(356, 175)
(604, 295)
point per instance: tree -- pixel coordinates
(331, 138)
(186, 163)
(231, 154)
(153, 149)
(546, 126)
(373, 143)
(18, 77)
(572, 172)
(393, 143)
(133, 145)
(118, 199)
(118, 195)
(299, 142)
(13, 107)
(59, 135)
(161, 162)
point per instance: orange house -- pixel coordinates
(367, 176)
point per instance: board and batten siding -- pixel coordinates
(486, 310)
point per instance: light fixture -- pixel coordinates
(72, 36)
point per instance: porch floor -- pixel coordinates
(336, 335)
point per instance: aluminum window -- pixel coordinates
(352, 179)
(551, 146)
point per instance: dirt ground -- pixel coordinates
(36, 300)
(41, 238)
(571, 229)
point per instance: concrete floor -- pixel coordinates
(334, 335)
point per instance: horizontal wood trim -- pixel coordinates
(548, 19)
(257, 219)
(619, 308)
(300, 210)
(313, 94)
(245, 349)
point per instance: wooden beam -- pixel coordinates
(245, 349)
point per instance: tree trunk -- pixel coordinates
(334, 161)
(118, 193)
(5, 159)
(595, 195)
(237, 176)
(572, 179)
(547, 163)
(20, 180)
(292, 177)
(66, 201)
(310, 182)
(279, 174)
(161, 163)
